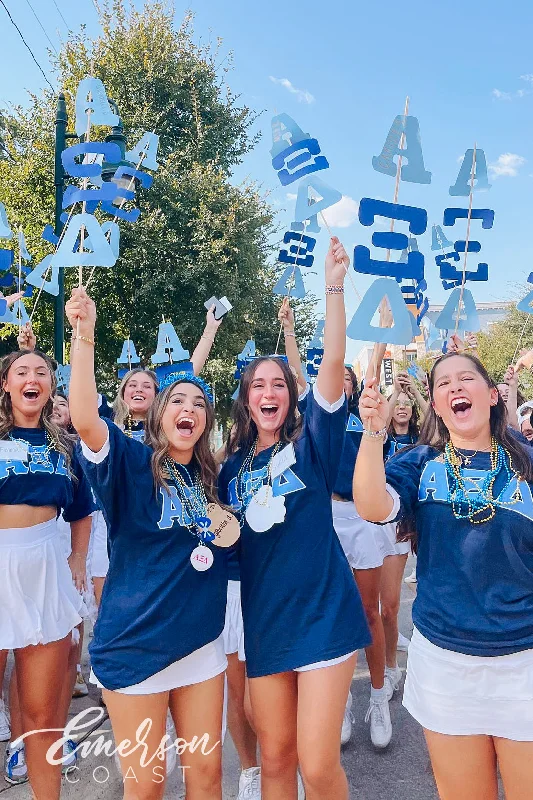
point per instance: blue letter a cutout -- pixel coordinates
(290, 283)
(468, 318)
(414, 171)
(526, 303)
(361, 328)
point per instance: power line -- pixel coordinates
(42, 27)
(61, 15)
(26, 44)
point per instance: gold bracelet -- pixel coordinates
(83, 339)
(207, 338)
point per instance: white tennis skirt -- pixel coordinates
(201, 665)
(233, 632)
(365, 544)
(98, 559)
(38, 600)
(463, 695)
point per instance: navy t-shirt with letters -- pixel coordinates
(300, 602)
(475, 581)
(44, 479)
(156, 608)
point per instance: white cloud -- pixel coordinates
(291, 196)
(506, 166)
(501, 95)
(343, 214)
(302, 95)
(528, 78)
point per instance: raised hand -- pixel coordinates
(26, 339)
(286, 315)
(373, 408)
(81, 307)
(337, 263)
(211, 323)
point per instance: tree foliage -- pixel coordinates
(199, 234)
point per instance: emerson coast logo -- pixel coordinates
(93, 741)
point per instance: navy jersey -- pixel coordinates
(299, 599)
(350, 448)
(44, 479)
(156, 608)
(475, 582)
(397, 441)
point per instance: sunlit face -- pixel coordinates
(139, 393)
(348, 385)
(184, 419)
(527, 430)
(403, 410)
(268, 397)
(461, 397)
(504, 392)
(61, 412)
(29, 382)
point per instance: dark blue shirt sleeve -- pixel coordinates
(403, 473)
(325, 424)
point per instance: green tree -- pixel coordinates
(199, 234)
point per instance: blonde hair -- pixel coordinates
(63, 441)
(121, 410)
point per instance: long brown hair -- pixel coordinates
(353, 401)
(202, 459)
(244, 431)
(413, 429)
(63, 441)
(120, 409)
(435, 434)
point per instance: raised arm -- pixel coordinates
(203, 348)
(286, 317)
(371, 498)
(330, 379)
(26, 338)
(511, 379)
(83, 397)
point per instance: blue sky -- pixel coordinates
(346, 71)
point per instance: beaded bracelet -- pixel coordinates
(83, 339)
(334, 289)
(382, 434)
(290, 333)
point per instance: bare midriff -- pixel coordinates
(24, 516)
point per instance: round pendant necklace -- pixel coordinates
(263, 495)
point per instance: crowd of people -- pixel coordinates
(251, 577)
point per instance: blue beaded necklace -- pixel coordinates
(481, 506)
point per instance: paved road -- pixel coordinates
(402, 772)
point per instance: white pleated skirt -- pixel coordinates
(365, 544)
(38, 600)
(233, 632)
(462, 695)
(98, 559)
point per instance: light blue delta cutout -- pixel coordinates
(129, 353)
(354, 424)
(89, 169)
(6, 315)
(468, 318)
(438, 239)
(414, 171)
(328, 197)
(91, 96)
(361, 328)
(290, 284)
(36, 276)
(318, 336)
(101, 255)
(299, 252)
(285, 132)
(248, 351)
(5, 230)
(23, 250)
(148, 146)
(461, 187)
(169, 347)
(112, 230)
(19, 313)
(526, 303)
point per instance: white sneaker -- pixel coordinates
(403, 643)
(346, 730)
(250, 784)
(5, 731)
(393, 679)
(301, 790)
(380, 724)
(411, 578)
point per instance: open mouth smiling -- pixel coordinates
(461, 406)
(186, 426)
(30, 394)
(269, 410)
